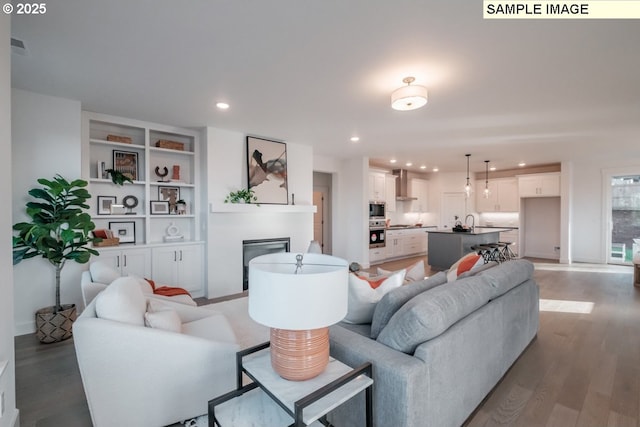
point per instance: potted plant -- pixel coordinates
(59, 231)
(241, 196)
(117, 177)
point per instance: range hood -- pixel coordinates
(402, 185)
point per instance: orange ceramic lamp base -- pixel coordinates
(299, 355)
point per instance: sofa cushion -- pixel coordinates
(122, 301)
(396, 298)
(415, 272)
(167, 320)
(363, 298)
(468, 262)
(102, 272)
(507, 275)
(430, 313)
(214, 328)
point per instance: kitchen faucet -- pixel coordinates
(473, 221)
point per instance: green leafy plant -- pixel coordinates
(59, 230)
(118, 177)
(246, 196)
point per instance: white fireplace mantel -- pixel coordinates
(257, 208)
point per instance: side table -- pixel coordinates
(273, 401)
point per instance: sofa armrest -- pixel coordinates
(90, 290)
(399, 380)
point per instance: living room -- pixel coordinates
(566, 91)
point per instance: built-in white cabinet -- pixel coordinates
(377, 255)
(179, 265)
(503, 196)
(419, 188)
(132, 261)
(539, 185)
(403, 243)
(377, 186)
(390, 192)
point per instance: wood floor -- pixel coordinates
(582, 370)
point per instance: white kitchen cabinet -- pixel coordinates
(377, 255)
(127, 261)
(503, 196)
(539, 185)
(390, 192)
(419, 188)
(408, 242)
(377, 186)
(180, 266)
(394, 240)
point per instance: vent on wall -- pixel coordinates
(18, 47)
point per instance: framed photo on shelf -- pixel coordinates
(127, 163)
(159, 207)
(124, 230)
(104, 204)
(169, 194)
(267, 170)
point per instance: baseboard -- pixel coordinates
(24, 328)
(15, 422)
(543, 255)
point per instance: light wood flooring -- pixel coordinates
(582, 370)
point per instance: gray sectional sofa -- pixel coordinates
(439, 348)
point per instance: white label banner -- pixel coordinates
(594, 9)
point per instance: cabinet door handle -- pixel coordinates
(125, 260)
(175, 256)
(180, 254)
(118, 261)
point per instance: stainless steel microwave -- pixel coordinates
(376, 210)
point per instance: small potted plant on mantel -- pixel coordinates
(59, 231)
(241, 196)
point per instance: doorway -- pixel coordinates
(322, 183)
(623, 218)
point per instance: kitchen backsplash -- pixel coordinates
(499, 219)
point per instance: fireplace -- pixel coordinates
(254, 248)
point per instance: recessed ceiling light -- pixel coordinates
(355, 138)
(492, 168)
(423, 167)
(392, 161)
(409, 164)
(222, 105)
(521, 164)
(435, 169)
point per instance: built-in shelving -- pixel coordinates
(256, 208)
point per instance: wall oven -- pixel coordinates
(376, 210)
(377, 234)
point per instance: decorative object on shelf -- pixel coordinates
(172, 145)
(117, 177)
(59, 231)
(117, 209)
(126, 162)
(467, 187)
(409, 97)
(267, 170)
(104, 204)
(175, 175)
(486, 193)
(162, 174)
(102, 170)
(173, 233)
(124, 230)
(122, 139)
(171, 195)
(181, 207)
(298, 297)
(130, 202)
(105, 238)
(241, 196)
(159, 207)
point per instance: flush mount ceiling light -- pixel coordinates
(467, 187)
(486, 192)
(222, 105)
(409, 97)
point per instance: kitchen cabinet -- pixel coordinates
(511, 236)
(419, 188)
(407, 242)
(390, 192)
(377, 186)
(539, 185)
(377, 255)
(503, 196)
(178, 265)
(127, 261)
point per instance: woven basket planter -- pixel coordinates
(55, 327)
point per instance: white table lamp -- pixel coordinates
(298, 297)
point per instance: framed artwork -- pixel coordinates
(104, 204)
(169, 194)
(159, 207)
(267, 170)
(126, 162)
(124, 230)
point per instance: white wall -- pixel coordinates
(7, 359)
(46, 141)
(352, 222)
(226, 164)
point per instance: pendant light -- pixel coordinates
(467, 188)
(486, 192)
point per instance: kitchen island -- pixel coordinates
(447, 246)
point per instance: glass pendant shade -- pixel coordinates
(467, 187)
(486, 192)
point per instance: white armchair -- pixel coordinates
(141, 376)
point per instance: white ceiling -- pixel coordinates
(318, 72)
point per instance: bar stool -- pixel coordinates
(507, 252)
(483, 250)
(496, 253)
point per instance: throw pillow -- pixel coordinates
(396, 298)
(363, 298)
(159, 316)
(466, 263)
(145, 286)
(415, 272)
(122, 301)
(102, 272)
